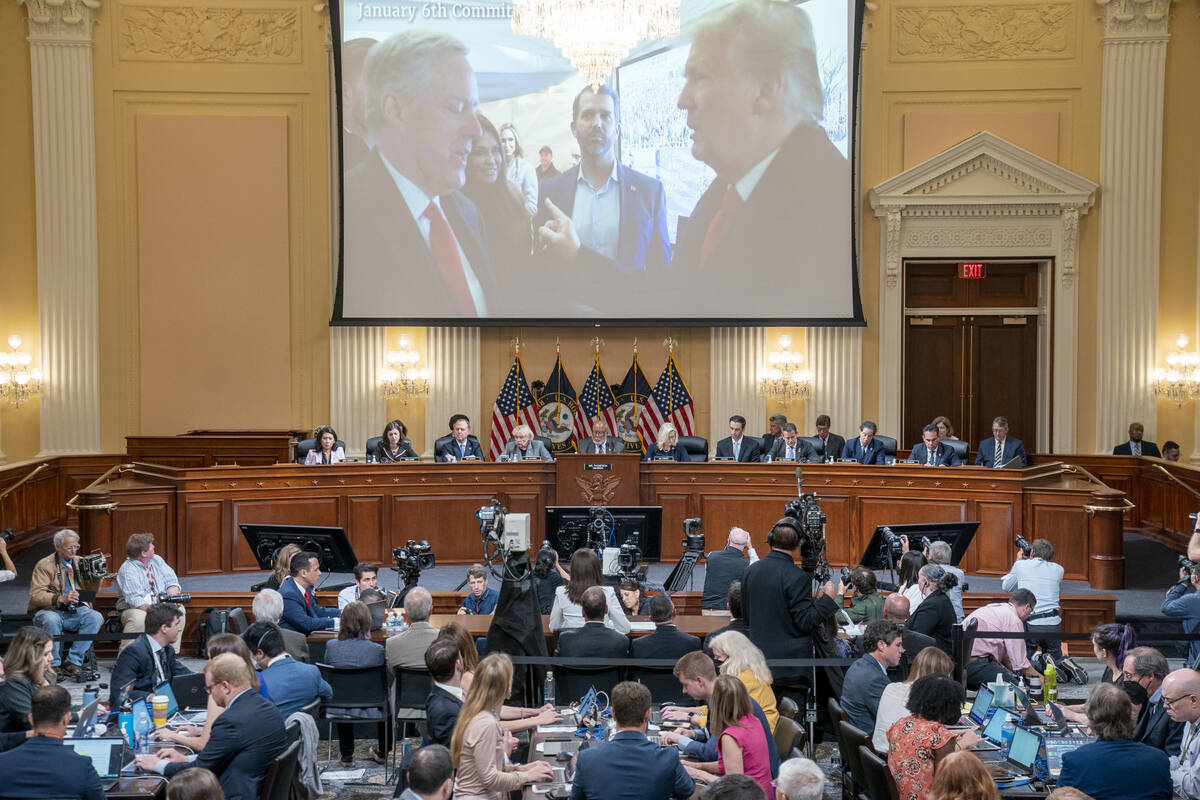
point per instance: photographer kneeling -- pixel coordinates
(56, 607)
(141, 579)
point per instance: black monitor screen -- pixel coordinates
(330, 544)
(569, 528)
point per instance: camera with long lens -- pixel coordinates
(810, 520)
(630, 556)
(693, 540)
(1023, 544)
(577, 534)
(411, 559)
(178, 599)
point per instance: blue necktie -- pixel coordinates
(462, 449)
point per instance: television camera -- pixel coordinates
(505, 536)
(810, 521)
(411, 559)
(593, 534)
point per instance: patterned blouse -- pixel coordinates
(912, 741)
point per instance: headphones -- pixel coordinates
(786, 522)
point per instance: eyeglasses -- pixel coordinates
(1170, 701)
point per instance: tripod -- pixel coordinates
(681, 574)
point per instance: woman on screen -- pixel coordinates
(517, 169)
(327, 450)
(666, 447)
(500, 202)
(395, 444)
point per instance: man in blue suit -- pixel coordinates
(43, 766)
(1001, 448)
(446, 695)
(291, 684)
(462, 446)
(867, 677)
(245, 739)
(933, 453)
(864, 449)
(1115, 767)
(150, 660)
(630, 767)
(301, 612)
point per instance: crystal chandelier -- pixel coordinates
(784, 379)
(595, 35)
(17, 381)
(1180, 382)
(401, 378)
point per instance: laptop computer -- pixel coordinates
(1022, 752)
(87, 718)
(982, 705)
(1058, 746)
(189, 691)
(992, 734)
(108, 757)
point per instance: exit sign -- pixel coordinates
(972, 270)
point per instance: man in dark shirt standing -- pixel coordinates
(723, 567)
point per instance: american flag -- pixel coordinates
(514, 406)
(669, 402)
(596, 401)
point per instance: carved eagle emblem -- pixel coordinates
(598, 488)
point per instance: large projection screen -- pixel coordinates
(709, 180)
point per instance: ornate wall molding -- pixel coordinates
(62, 21)
(1135, 18)
(979, 236)
(209, 34)
(983, 32)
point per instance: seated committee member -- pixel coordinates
(830, 444)
(867, 677)
(141, 579)
(1115, 767)
(585, 573)
(599, 442)
(735, 446)
(445, 697)
(1136, 446)
(407, 648)
(523, 446)
(723, 567)
(667, 641)
(665, 447)
(931, 452)
(775, 424)
(593, 640)
(150, 661)
(290, 684)
(629, 765)
(945, 429)
(481, 599)
(864, 449)
(461, 447)
(54, 602)
(245, 738)
(301, 612)
(501, 207)
(326, 450)
(394, 446)
(366, 576)
(44, 766)
(789, 447)
(1001, 448)
(268, 607)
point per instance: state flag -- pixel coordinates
(635, 390)
(557, 411)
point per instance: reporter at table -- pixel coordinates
(326, 450)
(461, 446)
(523, 446)
(395, 444)
(666, 446)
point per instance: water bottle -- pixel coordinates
(125, 721)
(548, 693)
(142, 727)
(1050, 682)
(1006, 732)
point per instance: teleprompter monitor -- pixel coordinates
(330, 544)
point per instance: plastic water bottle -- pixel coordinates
(1050, 682)
(142, 727)
(548, 693)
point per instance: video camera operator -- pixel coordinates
(56, 606)
(141, 579)
(1036, 571)
(1183, 602)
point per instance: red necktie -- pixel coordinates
(445, 254)
(719, 226)
(307, 602)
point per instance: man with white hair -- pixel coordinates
(406, 224)
(940, 553)
(782, 193)
(407, 648)
(723, 567)
(800, 779)
(57, 607)
(268, 607)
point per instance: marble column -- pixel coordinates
(454, 388)
(1131, 145)
(737, 355)
(64, 151)
(835, 357)
(356, 406)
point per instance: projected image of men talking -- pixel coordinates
(414, 244)
(780, 203)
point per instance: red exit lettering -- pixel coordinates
(972, 270)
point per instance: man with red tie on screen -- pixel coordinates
(413, 245)
(300, 610)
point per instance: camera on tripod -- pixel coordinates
(810, 521)
(1023, 544)
(411, 558)
(693, 540)
(629, 557)
(508, 532)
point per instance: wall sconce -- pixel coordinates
(1180, 381)
(17, 381)
(401, 378)
(784, 379)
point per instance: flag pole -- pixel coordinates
(670, 343)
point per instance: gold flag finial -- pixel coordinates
(635, 347)
(557, 345)
(597, 343)
(670, 343)
(516, 343)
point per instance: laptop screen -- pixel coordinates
(983, 701)
(106, 755)
(1024, 747)
(992, 732)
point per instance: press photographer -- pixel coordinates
(141, 580)
(56, 606)
(1036, 571)
(1183, 602)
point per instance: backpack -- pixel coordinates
(213, 621)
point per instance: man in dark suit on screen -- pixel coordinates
(1136, 446)
(413, 244)
(933, 453)
(1001, 448)
(737, 447)
(780, 203)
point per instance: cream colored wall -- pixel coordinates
(1039, 87)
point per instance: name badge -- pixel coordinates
(598, 466)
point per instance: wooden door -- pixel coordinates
(934, 373)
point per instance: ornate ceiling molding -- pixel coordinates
(60, 21)
(1136, 19)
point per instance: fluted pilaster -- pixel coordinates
(64, 150)
(835, 357)
(1131, 117)
(454, 359)
(356, 406)
(737, 355)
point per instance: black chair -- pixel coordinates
(441, 440)
(815, 443)
(572, 682)
(372, 443)
(293, 731)
(313, 708)
(305, 445)
(411, 686)
(890, 445)
(961, 447)
(663, 685)
(789, 738)
(545, 440)
(696, 447)
(357, 688)
(836, 716)
(881, 784)
(277, 785)
(855, 738)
